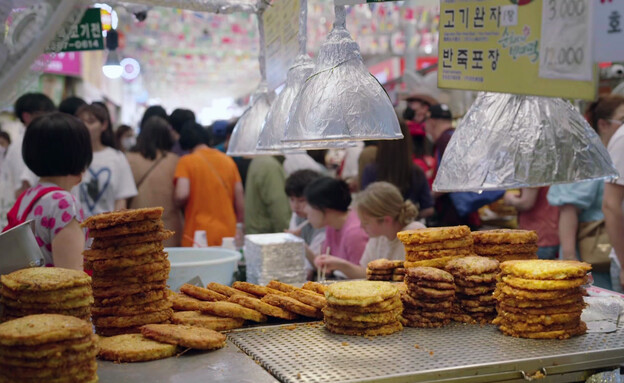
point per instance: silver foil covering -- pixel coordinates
(341, 101)
(510, 141)
(602, 313)
(279, 256)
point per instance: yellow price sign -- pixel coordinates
(494, 45)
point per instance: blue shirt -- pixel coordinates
(586, 196)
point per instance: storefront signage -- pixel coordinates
(495, 45)
(608, 30)
(67, 64)
(281, 30)
(84, 36)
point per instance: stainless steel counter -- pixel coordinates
(228, 364)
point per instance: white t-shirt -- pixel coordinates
(616, 151)
(108, 179)
(300, 161)
(381, 247)
(14, 164)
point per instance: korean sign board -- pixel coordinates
(84, 36)
(281, 31)
(536, 47)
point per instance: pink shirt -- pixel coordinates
(543, 218)
(347, 243)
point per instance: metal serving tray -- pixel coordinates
(458, 352)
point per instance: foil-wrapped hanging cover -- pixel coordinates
(511, 141)
(341, 100)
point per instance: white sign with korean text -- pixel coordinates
(281, 31)
(608, 30)
(566, 40)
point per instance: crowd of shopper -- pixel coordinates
(71, 163)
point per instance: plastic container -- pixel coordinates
(210, 264)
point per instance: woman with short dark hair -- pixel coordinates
(328, 202)
(56, 212)
(153, 167)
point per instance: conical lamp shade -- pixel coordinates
(246, 132)
(341, 101)
(509, 141)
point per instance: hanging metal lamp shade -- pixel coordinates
(341, 101)
(510, 141)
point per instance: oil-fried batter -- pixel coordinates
(499, 236)
(150, 307)
(262, 307)
(43, 297)
(55, 305)
(429, 274)
(127, 240)
(185, 336)
(348, 323)
(65, 360)
(439, 263)
(49, 350)
(129, 289)
(559, 309)
(104, 220)
(123, 251)
(478, 290)
(382, 317)
(202, 293)
(123, 262)
(292, 305)
(107, 282)
(472, 266)
(133, 320)
(315, 286)
(442, 245)
(436, 305)
(134, 348)
(433, 234)
(505, 249)
(44, 279)
(381, 264)
(256, 290)
(132, 300)
(414, 256)
(43, 328)
(387, 305)
(553, 334)
(430, 284)
(546, 269)
(226, 290)
(309, 298)
(148, 268)
(183, 302)
(196, 318)
(283, 287)
(515, 257)
(537, 295)
(232, 310)
(539, 319)
(373, 331)
(127, 229)
(511, 301)
(360, 293)
(550, 284)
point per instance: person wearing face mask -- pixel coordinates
(153, 167)
(125, 138)
(108, 182)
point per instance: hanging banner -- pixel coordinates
(281, 30)
(608, 30)
(494, 45)
(84, 36)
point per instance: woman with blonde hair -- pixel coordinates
(383, 213)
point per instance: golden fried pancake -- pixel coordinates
(202, 293)
(477, 302)
(379, 272)
(442, 245)
(500, 236)
(157, 277)
(43, 328)
(536, 295)
(433, 234)
(546, 269)
(315, 286)
(399, 271)
(535, 327)
(134, 348)
(478, 290)
(515, 257)
(283, 287)
(414, 256)
(482, 309)
(559, 309)
(442, 305)
(184, 335)
(545, 320)
(464, 283)
(33, 297)
(387, 305)
(549, 284)
(256, 290)
(425, 292)
(472, 319)
(151, 307)
(429, 315)
(292, 305)
(309, 298)
(429, 284)
(133, 320)
(360, 293)
(232, 310)
(53, 305)
(226, 290)
(148, 268)
(115, 218)
(509, 300)
(49, 350)
(262, 307)
(123, 251)
(129, 289)
(553, 334)
(504, 249)
(80, 312)
(127, 240)
(67, 359)
(413, 320)
(381, 264)
(86, 376)
(47, 374)
(114, 331)
(428, 274)
(349, 323)
(387, 277)
(473, 265)
(382, 317)
(398, 278)
(196, 318)
(132, 300)
(127, 229)
(373, 331)
(123, 262)
(439, 263)
(44, 279)
(183, 302)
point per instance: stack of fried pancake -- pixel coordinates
(428, 297)
(541, 299)
(385, 270)
(363, 308)
(475, 281)
(506, 244)
(49, 348)
(130, 270)
(434, 247)
(46, 290)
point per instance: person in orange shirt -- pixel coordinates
(208, 187)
